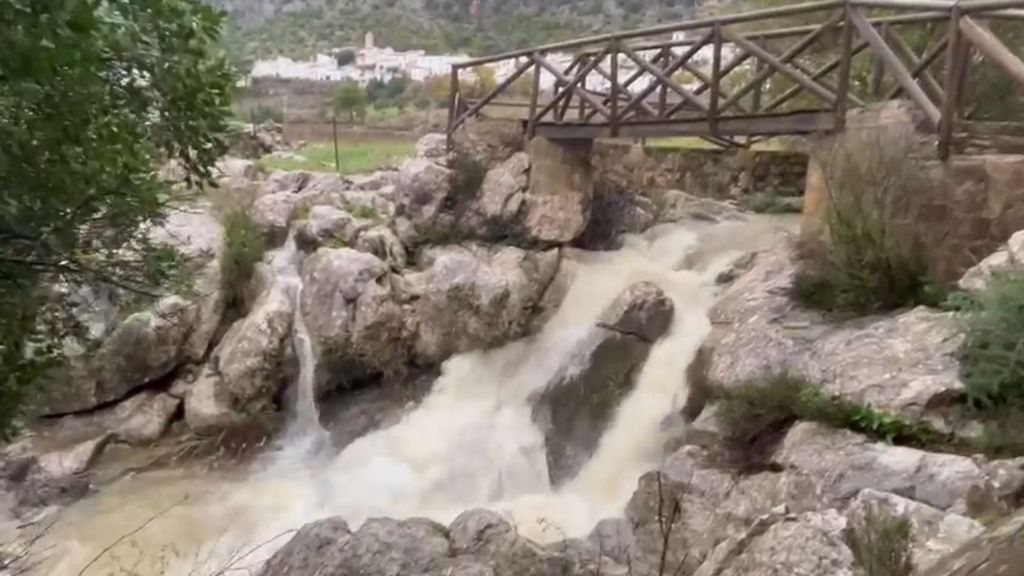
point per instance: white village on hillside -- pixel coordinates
(384, 63)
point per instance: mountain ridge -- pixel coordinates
(302, 27)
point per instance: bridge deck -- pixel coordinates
(790, 70)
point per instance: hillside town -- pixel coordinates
(382, 64)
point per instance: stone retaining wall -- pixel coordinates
(701, 172)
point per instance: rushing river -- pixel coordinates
(469, 443)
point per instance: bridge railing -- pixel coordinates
(789, 70)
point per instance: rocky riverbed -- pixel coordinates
(425, 380)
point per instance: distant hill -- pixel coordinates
(302, 27)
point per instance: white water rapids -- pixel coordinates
(469, 443)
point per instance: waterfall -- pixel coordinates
(305, 435)
(470, 443)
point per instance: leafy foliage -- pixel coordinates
(93, 95)
(467, 176)
(437, 25)
(351, 98)
(880, 543)
(264, 114)
(992, 357)
(244, 247)
(869, 263)
(779, 400)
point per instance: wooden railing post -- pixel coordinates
(955, 66)
(716, 79)
(453, 94)
(666, 60)
(846, 57)
(531, 124)
(614, 91)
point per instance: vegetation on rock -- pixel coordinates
(869, 263)
(779, 400)
(881, 543)
(244, 247)
(95, 95)
(992, 358)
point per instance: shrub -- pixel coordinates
(365, 212)
(467, 176)
(778, 400)
(262, 114)
(870, 263)
(880, 543)
(992, 356)
(244, 247)
(770, 203)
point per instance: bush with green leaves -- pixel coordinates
(244, 247)
(771, 404)
(94, 96)
(467, 176)
(869, 262)
(881, 543)
(992, 356)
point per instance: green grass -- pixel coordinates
(355, 158)
(694, 143)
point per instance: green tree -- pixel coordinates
(345, 57)
(94, 95)
(351, 98)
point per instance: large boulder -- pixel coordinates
(904, 363)
(250, 364)
(1010, 257)
(57, 477)
(934, 532)
(574, 408)
(149, 419)
(496, 211)
(998, 552)
(421, 193)
(381, 547)
(843, 463)
(472, 296)
(808, 544)
(145, 347)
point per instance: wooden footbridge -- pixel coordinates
(735, 79)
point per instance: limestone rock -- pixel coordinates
(210, 302)
(384, 244)
(433, 147)
(422, 189)
(250, 359)
(489, 143)
(149, 420)
(333, 279)
(843, 463)
(238, 168)
(903, 363)
(810, 544)
(272, 212)
(74, 460)
(143, 348)
(614, 538)
(1008, 258)
(194, 231)
(94, 308)
(386, 547)
(208, 405)
(557, 203)
(317, 548)
(375, 181)
(676, 205)
(57, 478)
(935, 533)
(488, 537)
(471, 296)
(324, 223)
(576, 405)
(495, 211)
(998, 552)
